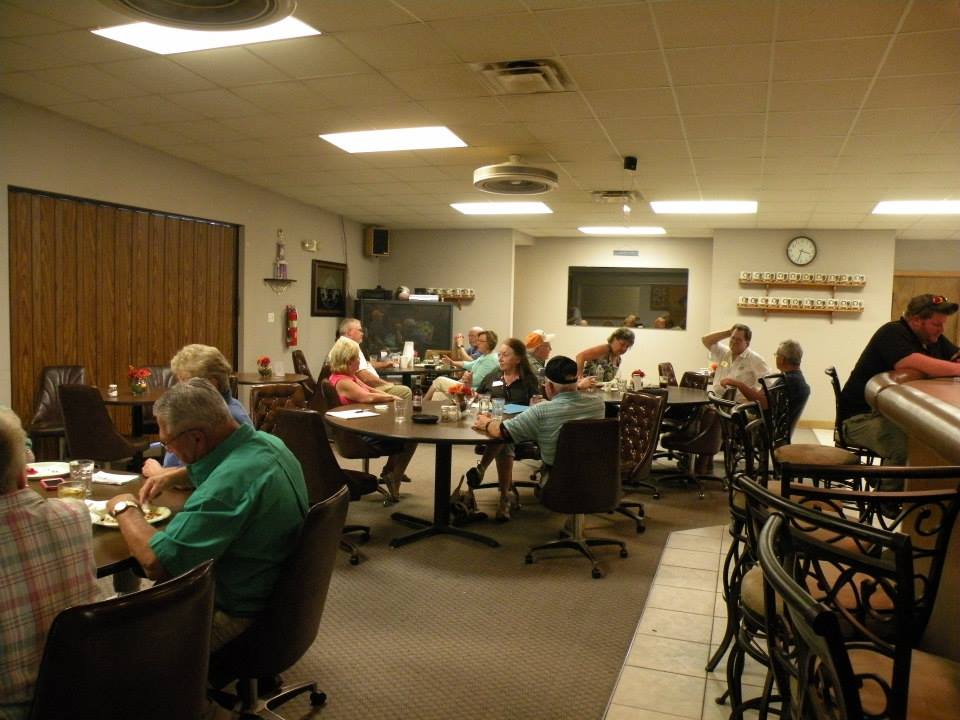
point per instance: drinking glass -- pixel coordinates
(71, 490)
(497, 410)
(483, 403)
(82, 471)
(400, 411)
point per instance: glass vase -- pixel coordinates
(138, 386)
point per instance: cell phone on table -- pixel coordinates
(51, 483)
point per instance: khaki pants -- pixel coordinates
(400, 391)
(874, 432)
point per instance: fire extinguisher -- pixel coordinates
(291, 326)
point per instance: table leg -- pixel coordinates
(440, 525)
(136, 418)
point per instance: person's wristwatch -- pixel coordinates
(122, 506)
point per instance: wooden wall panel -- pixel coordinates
(105, 286)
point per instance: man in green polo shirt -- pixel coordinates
(245, 513)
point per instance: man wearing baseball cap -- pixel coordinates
(542, 422)
(538, 349)
(914, 342)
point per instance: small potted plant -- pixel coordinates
(264, 367)
(138, 379)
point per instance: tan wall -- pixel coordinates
(42, 150)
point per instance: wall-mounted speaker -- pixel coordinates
(376, 242)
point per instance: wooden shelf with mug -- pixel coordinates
(806, 306)
(454, 295)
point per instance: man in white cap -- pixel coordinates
(538, 349)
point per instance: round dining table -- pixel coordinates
(676, 396)
(443, 435)
(136, 402)
(253, 378)
(428, 371)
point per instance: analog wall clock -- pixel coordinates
(801, 250)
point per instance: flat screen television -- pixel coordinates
(387, 324)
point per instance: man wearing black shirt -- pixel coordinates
(914, 342)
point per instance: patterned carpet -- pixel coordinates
(447, 628)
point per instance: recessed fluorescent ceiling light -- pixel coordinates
(167, 40)
(418, 138)
(502, 208)
(705, 207)
(917, 207)
(619, 230)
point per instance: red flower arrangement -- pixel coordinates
(460, 389)
(638, 373)
(263, 361)
(713, 367)
(135, 373)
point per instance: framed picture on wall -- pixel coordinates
(328, 289)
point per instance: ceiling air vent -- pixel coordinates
(206, 15)
(512, 178)
(519, 77)
(618, 197)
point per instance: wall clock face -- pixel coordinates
(801, 250)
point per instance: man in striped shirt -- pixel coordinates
(542, 422)
(46, 565)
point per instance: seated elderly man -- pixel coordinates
(46, 565)
(789, 355)
(471, 351)
(353, 329)
(730, 349)
(542, 422)
(203, 361)
(538, 349)
(246, 512)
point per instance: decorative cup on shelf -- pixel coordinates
(744, 274)
(861, 279)
(756, 276)
(752, 301)
(742, 300)
(795, 302)
(781, 277)
(762, 301)
(807, 303)
(793, 277)
(831, 278)
(806, 277)
(856, 304)
(831, 304)
(843, 278)
(768, 277)
(843, 304)
(819, 277)
(819, 303)
(773, 302)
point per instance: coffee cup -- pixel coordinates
(831, 304)
(831, 278)
(752, 300)
(781, 277)
(807, 303)
(773, 302)
(756, 276)
(819, 277)
(819, 303)
(744, 274)
(795, 302)
(843, 278)
(793, 277)
(842, 304)
(742, 300)
(762, 301)
(767, 276)
(806, 277)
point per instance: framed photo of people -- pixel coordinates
(328, 289)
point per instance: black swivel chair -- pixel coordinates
(47, 419)
(703, 436)
(142, 655)
(90, 430)
(585, 478)
(280, 635)
(304, 433)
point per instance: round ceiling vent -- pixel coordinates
(207, 14)
(512, 178)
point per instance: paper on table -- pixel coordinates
(106, 478)
(350, 414)
(514, 409)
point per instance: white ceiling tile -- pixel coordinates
(722, 99)
(605, 29)
(537, 106)
(815, 19)
(637, 102)
(157, 75)
(27, 87)
(688, 23)
(403, 47)
(818, 95)
(337, 15)
(82, 46)
(89, 82)
(72, 13)
(153, 135)
(566, 130)
(810, 123)
(738, 165)
(454, 110)
(441, 9)
(924, 52)
(151, 108)
(317, 56)
(94, 113)
(828, 59)
(16, 57)
(435, 83)
(395, 115)
(359, 89)
(495, 38)
(618, 71)
(793, 147)
(727, 148)
(629, 130)
(214, 103)
(485, 135)
(723, 126)
(915, 90)
(16, 21)
(891, 120)
(932, 16)
(293, 94)
(229, 67)
(799, 164)
(723, 64)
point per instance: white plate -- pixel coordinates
(41, 470)
(158, 514)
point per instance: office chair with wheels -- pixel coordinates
(47, 419)
(282, 633)
(163, 633)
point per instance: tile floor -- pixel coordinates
(663, 676)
